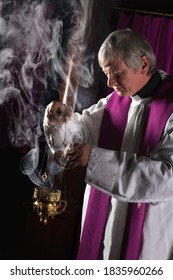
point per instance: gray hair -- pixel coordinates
(129, 46)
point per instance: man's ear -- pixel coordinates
(145, 63)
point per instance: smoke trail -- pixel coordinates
(25, 54)
(38, 41)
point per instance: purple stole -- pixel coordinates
(113, 125)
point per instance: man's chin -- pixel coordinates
(120, 93)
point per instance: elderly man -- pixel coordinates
(126, 146)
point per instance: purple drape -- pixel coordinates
(158, 31)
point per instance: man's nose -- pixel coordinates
(111, 81)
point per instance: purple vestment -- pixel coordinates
(113, 126)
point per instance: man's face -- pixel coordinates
(125, 80)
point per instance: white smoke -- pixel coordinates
(33, 51)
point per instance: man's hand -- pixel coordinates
(77, 155)
(57, 113)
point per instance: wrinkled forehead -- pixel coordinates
(115, 64)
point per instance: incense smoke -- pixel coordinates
(38, 41)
